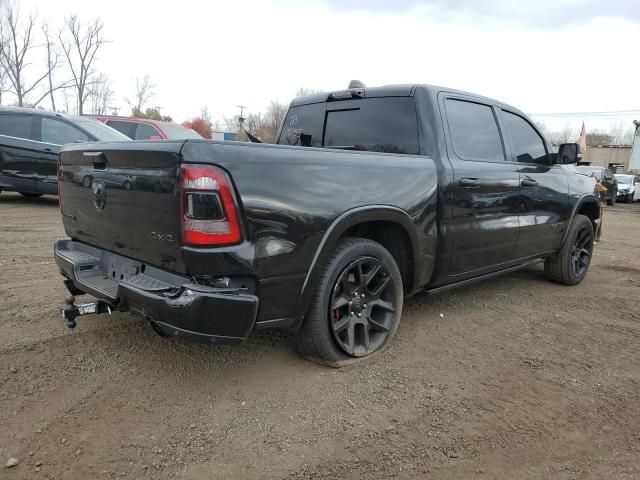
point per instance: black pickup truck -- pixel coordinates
(370, 195)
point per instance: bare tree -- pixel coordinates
(232, 123)
(100, 94)
(567, 134)
(622, 133)
(3, 82)
(142, 94)
(80, 45)
(273, 119)
(14, 56)
(3, 72)
(53, 62)
(306, 91)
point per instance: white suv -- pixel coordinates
(628, 187)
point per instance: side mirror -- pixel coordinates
(568, 153)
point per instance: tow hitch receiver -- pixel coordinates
(71, 311)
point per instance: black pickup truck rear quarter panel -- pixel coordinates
(297, 202)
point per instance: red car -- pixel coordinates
(144, 129)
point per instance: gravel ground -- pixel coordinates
(518, 378)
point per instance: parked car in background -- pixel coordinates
(145, 129)
(627, 187)
(30, 141)
(604, 176)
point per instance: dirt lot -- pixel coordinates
(518, 378)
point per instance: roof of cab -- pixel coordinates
(393, 91)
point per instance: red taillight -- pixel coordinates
(208, 211)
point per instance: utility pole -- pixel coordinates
(241, 117)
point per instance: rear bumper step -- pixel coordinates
(175, 305)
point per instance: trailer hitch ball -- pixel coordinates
(70, 311)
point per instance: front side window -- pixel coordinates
(474, 131)
(59, 133)
(528, 145)
(16, 125)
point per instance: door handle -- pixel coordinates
(469, 182)
(529, 182)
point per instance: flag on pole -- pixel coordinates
(582, 140)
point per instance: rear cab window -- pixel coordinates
(387, 124)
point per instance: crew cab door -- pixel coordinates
(19, 152)
(544, 188)
(483, 192)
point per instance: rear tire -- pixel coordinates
(356, 305)
(570, 265)
(31, 195)
(630, 197)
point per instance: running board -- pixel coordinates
(480, 278)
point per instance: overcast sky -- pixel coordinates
(543, 56)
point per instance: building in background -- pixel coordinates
(614, 157)
(634, 162)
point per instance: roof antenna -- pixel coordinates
(356, 84)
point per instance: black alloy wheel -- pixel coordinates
(581, 252)
(356, 304)
(363, 306)
(570, 265)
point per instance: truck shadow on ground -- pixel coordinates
(128, 335)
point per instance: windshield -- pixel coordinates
(99, 130)
(627, 179)
(178, 132)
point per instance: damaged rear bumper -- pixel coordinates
(173, 303)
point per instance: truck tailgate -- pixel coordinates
(124, 197)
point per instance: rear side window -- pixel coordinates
(145, 132)
(474, 131)
(528, 145)
(59, 133)
(375, 125)
(16, 125)
(128, 128)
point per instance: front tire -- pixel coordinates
(570, 265)
(356, 305)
